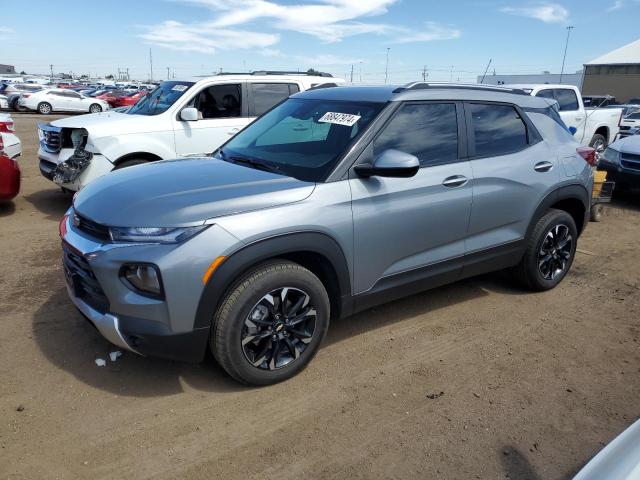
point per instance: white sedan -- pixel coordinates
(61, 100)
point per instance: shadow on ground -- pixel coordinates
(53, 203)
(7, 208)
(72, 344)
(516, 466)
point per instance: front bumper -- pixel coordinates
(147, 326)
(624, 177)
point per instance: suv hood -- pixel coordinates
(174, 193)
(107, 123)
(628, 145)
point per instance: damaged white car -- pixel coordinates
(177, 119)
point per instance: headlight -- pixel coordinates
(144, 278)
(611, 156)
(154, 234)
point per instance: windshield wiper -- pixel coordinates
(257, 164)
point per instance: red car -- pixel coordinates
(9, 175)
(128, 100)
(112, 96)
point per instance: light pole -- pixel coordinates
(386, 68)
(566, 45)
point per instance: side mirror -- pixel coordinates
(189, 114)
(390, 163)
(573, 130)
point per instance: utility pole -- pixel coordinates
(386, 68)
(569, 28)
(360, 71)
(167, 73)
(424, 74)
(486, 70)
(451, 76)
(51, 67)
(150, 66)
(351, 81)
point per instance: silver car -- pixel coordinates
(336, 200)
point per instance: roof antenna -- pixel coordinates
(486, 70)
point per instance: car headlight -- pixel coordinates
(144, 278)
(154, 234)
(611, 156)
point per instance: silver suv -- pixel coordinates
(336, 200)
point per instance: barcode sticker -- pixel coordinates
(345, 119)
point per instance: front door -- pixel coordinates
(413, 227)
(222, 113)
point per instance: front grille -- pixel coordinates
(82, 280)
(91, 228)
(630, 161)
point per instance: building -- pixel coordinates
(7, 69)
(617, 74)
(544, 77)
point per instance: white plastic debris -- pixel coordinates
(114, 355)
(100, 362)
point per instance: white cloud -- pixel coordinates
(204, 38)
(432, 32)
(620, 4)
(6, 32)
(234, 23)
(546, 12)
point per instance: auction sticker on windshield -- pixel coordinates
(180, 88)
(345, 119)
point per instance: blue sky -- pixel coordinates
(195, 37)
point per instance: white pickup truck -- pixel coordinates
(594, 127)
(177, 119)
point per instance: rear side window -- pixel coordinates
(427, 130)
(567, 99)
(266, 95)
(498, 130)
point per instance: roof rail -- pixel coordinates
(275, 72)
(459, 86)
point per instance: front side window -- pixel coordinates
(428, 130)
(160, 99)
(266, 95)
(219, 101)
(301, 138)
(498, 129)
(567, 99)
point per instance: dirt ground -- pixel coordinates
(474, 380)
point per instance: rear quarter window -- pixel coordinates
(497, 130)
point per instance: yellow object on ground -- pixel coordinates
(598, 179)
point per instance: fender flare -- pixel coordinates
(566, 192)
(242, 260)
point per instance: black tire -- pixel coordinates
(599, 143)
(230, 330)
(529, 272)
(95, 108)
(130, 163)
(596, 212)
(44, 108)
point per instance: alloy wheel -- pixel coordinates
(279, 328)
(555, 252)
(95, 109)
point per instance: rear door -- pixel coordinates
(223, 112)
(513, 169)
(264, 96)
(409, 229)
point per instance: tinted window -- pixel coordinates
(266, 95)
(429, 131)
(498, 129)
(545, 94)
(634, 116)
(567, 99)
(219, 101)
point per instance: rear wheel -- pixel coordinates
(271, 323)
(598, 143)
(44, 108)
(95, 108)
(596, 212)
(549, 252)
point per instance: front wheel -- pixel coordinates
(44, 108)
(549, 253)
(95, 108)
(270, 324)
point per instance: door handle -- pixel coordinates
(578, 119)
(233, 131)
(543, 166)
(455, 181)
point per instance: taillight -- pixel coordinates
(1, 145)
(7, 127)
(62, 227)
(25, 95)
(589, 155)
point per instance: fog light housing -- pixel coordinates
(143, 279)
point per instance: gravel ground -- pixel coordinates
(474, 380)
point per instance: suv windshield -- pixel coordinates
(160, 99)
(301, 138)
